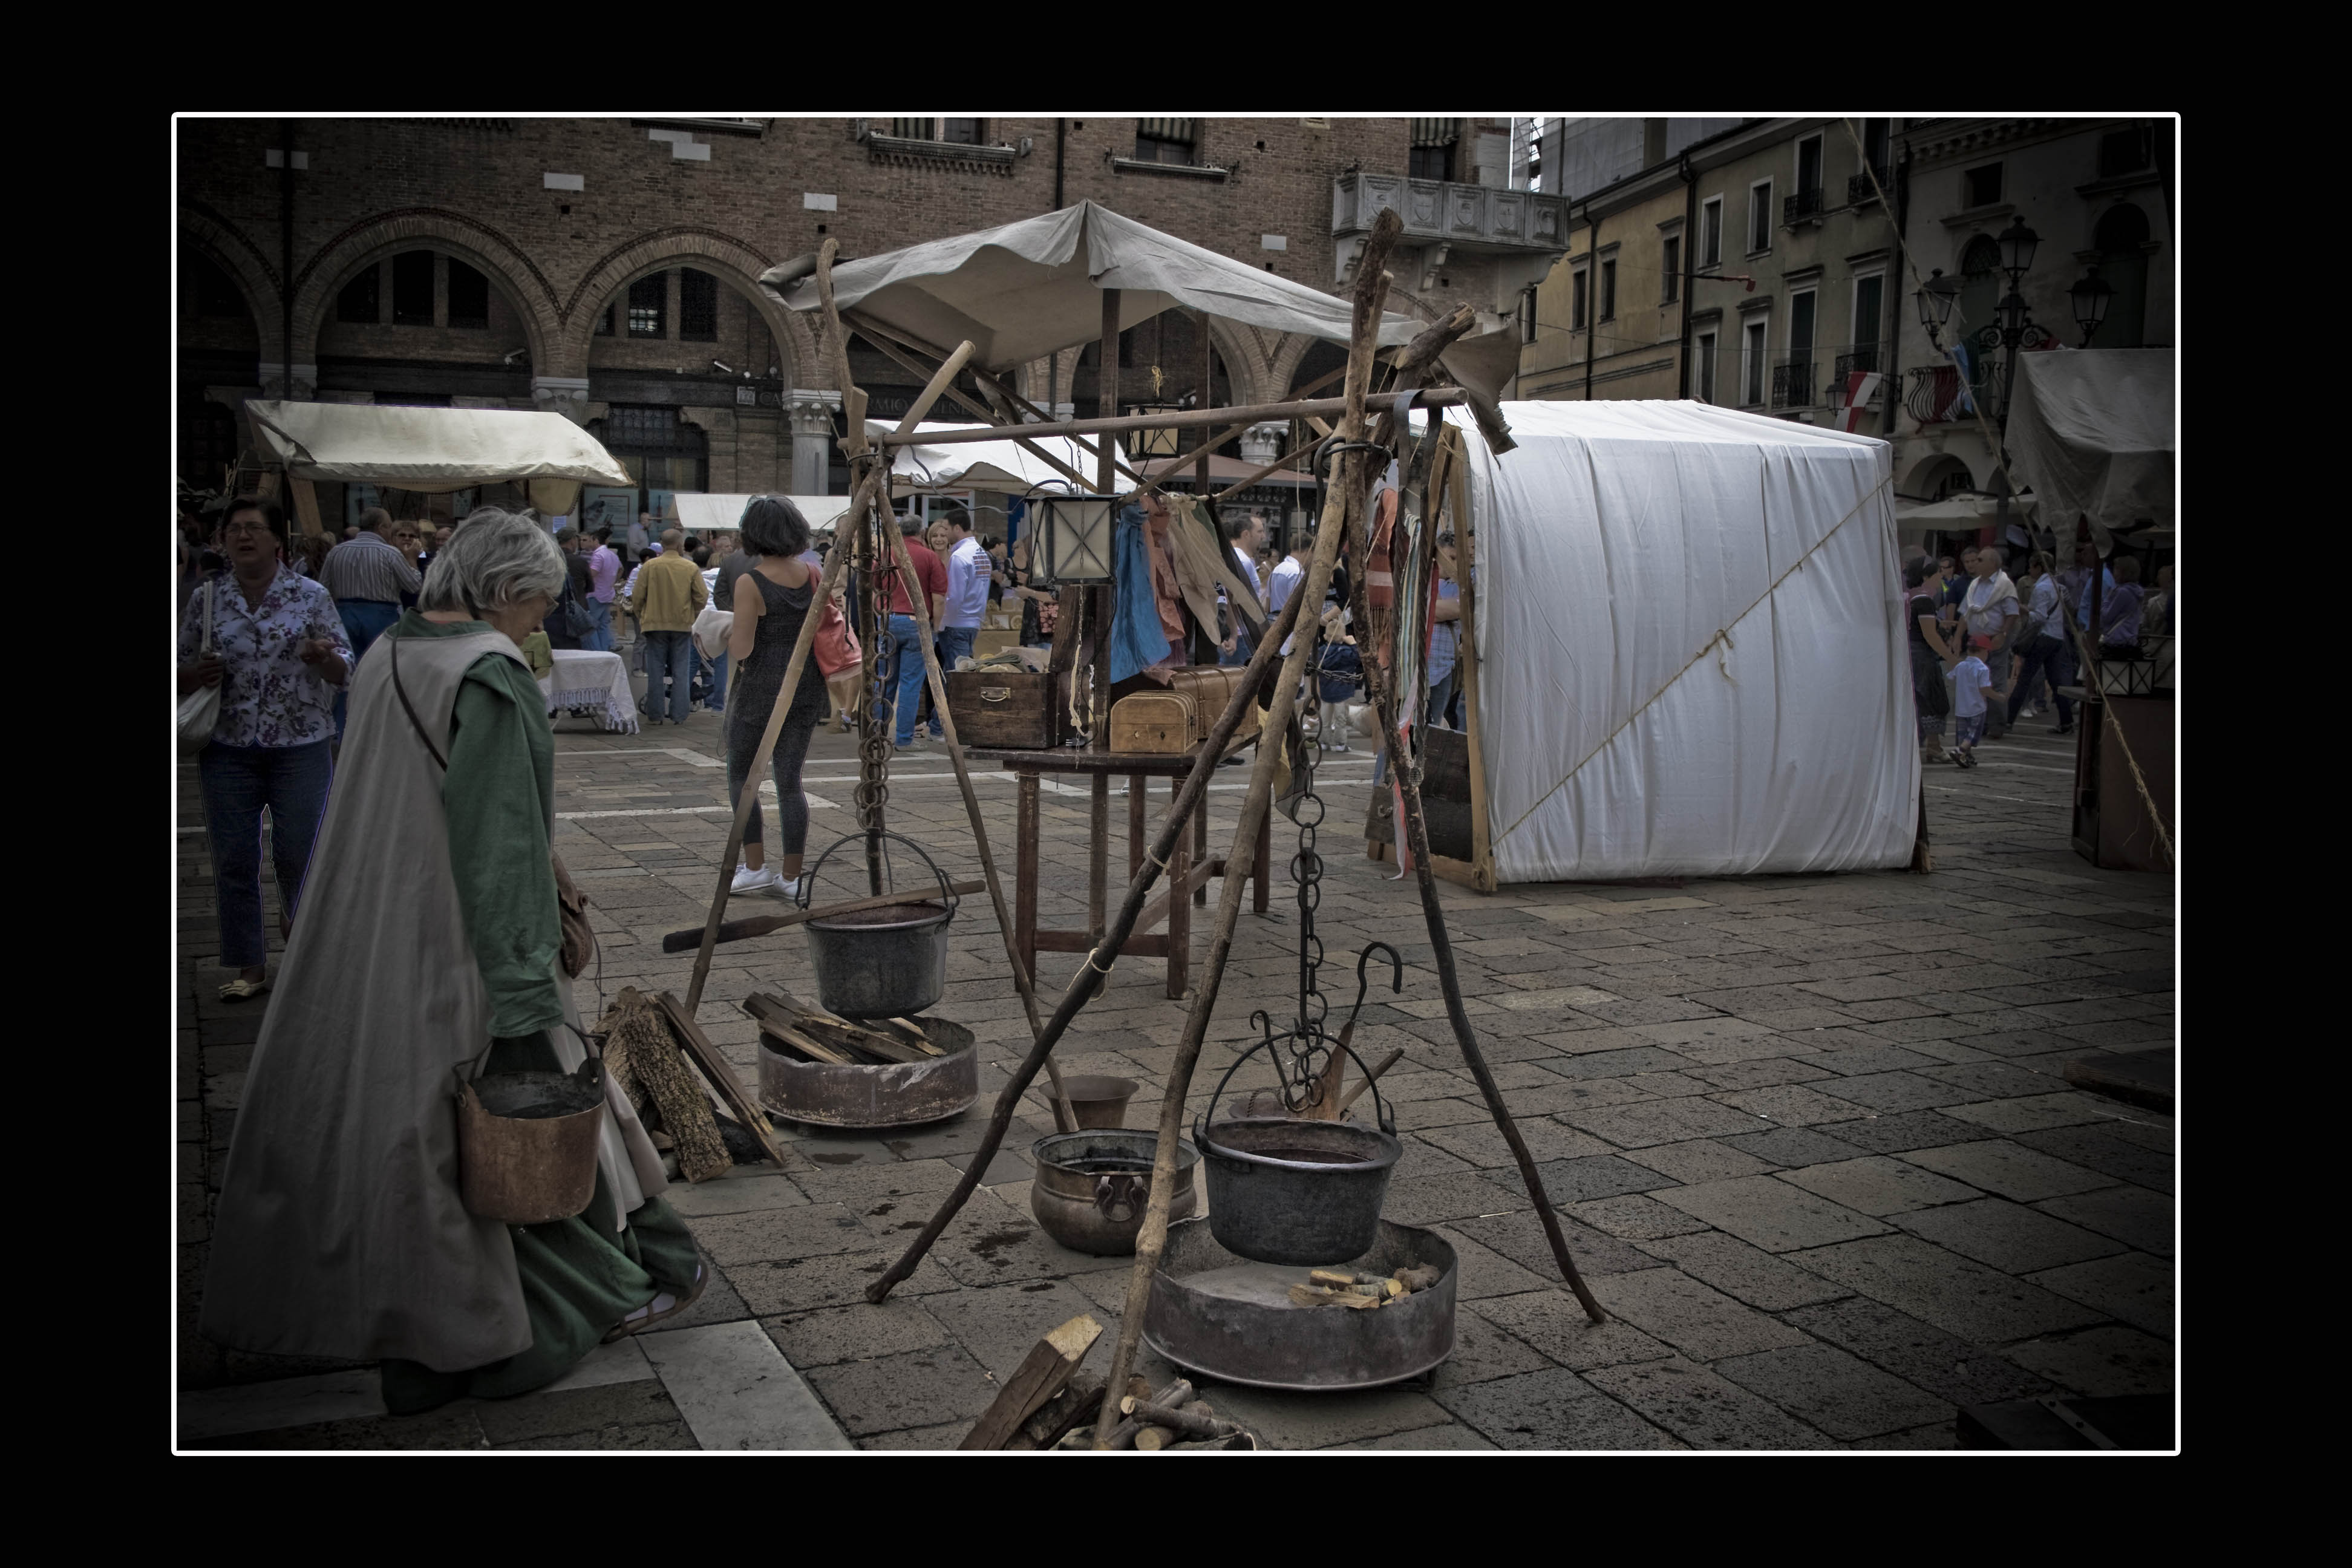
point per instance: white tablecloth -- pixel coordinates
(587, 678)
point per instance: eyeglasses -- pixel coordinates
(251, 525)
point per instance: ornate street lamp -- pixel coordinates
(1935, 299)
(2091, 294)
(2017, 243)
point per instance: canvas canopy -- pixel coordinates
(436, 450)
(709, 514)
(1025, 290)
(1007, 466)
(1957, 513)
(1690, 661)
(2092, 432)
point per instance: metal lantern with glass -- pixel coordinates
(1075, 532)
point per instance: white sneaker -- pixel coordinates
(764, 880)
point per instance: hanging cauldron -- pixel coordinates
(886, 963)
(1287, 1191)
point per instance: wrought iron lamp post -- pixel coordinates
(2091, 294)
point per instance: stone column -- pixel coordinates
(1261, 444)
(303, 387)
(718, 429)
(564, 394)
(812, 422)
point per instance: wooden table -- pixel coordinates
(1189, 867)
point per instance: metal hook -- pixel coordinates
(1363, 981)
(1264, 1021)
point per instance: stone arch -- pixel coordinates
(1243, 352)
(730, 261)
(229, 248)
(471, 241)
(1931, 474)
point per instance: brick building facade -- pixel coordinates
(606, 269)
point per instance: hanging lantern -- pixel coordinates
(1075, 531)
(1144, 444)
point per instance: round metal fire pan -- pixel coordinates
(899, 1095)
(1217, 1313)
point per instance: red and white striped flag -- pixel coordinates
(1861, 386)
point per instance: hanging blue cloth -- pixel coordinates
(1138, 641)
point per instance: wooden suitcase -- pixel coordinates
(1160, 722)
(1007, 710)
(1211, 687)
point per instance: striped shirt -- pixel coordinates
(368, 567)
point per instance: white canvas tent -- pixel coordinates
(436, 450)
(1006, 467)
(1024, 290)
(707, 514)
(2092, 432)
(1688, 651)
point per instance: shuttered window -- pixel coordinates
(1164, 141)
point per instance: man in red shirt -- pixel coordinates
(905, 638)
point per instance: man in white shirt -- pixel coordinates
(1991, 611)
(1243, 540)
(968, 584)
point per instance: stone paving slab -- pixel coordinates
(1809, 1137)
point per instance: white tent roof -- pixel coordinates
(1958, 512)
(1690, 656)
(1030, 288)
(1004, 465)
(2092, 431)
(709, 514)
(430, 449)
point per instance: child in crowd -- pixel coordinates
(1970, 680)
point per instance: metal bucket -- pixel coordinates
(1090, 1188)
(902, 1094)
(1287, 1191)
(889, 962)
(526, 1143)
(1098, 1100)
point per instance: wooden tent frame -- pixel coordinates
(1345, 516)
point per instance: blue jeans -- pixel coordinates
(717, 701)
(364, 620)
(601, 638)
(2051, 657)
(237, 782)
(907, 662)
(1245, 644)
(669, 654)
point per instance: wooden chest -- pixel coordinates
(1164, 723)
(1211, 688)
(1006, 710)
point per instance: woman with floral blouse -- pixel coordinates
(279, 652)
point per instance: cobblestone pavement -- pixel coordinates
(1809, 1134)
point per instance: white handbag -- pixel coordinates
(200, 709)
(712, 629)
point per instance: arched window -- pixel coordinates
(207, 442)
(2121, 239)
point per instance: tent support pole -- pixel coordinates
(1183, 419)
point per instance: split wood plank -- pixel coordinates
(721, 1077)
(1048, 1367)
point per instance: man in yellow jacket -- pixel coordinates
(666, 596)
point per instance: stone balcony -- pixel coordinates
(1441, 217)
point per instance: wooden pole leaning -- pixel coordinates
(1406, 770)
(1065, 1119)
(1152, 1241)
(1186, 419)
(1121, 926)
(836, 564)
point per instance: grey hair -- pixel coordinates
(495, 559)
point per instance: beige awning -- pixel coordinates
(1434, 133)
(435, 450)
(1165, 130)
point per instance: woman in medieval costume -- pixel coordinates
(430, 930)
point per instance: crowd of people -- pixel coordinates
(1989, 650)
